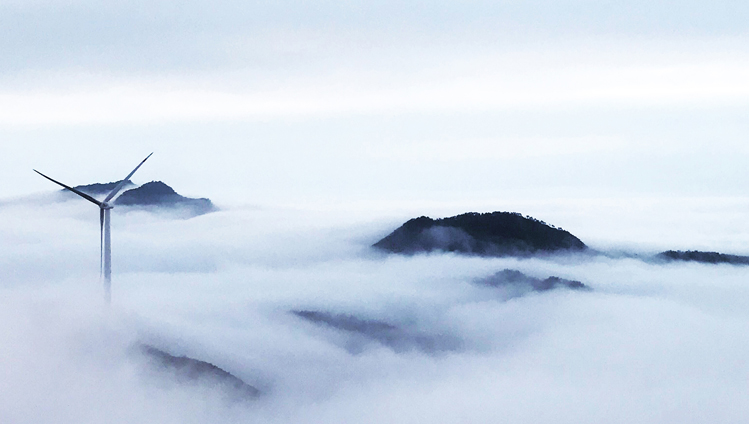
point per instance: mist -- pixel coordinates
(649, 343)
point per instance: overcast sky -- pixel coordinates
(333, 103)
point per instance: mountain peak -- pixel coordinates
(157, 193)
(485, 234)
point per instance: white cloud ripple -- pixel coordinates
(651, 343)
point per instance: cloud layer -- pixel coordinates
(649, 343)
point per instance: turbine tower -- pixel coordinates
(105, 239)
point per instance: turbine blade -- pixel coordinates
(84, 195)
(124, 181)
(101, 242)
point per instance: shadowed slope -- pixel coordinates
(194, 370)
(156, 193)
(100, 188)
(704, 257)
(514, 278)
(394, 337)
(488, 234)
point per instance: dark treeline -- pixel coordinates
(488, 234)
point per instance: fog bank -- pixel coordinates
(648, 343)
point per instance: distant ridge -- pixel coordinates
(156, 193)
(191, 370)
(521, 283)
(100, 188)
(153, 194)
(704, 257)
(485, 234)
(394, 337)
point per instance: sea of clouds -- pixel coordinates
(651, 343)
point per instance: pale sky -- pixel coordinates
(334, 103)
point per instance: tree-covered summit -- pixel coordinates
(488, 234)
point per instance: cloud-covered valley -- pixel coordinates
(318, 128)
(649, 343)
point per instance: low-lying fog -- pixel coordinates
(651, 343)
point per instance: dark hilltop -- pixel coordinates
(361, 331)
(153, 194)
(519, 283)
(100, 188)
(189, 370)
(156, 193)
(484, 234)
(703, 257)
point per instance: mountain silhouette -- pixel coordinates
(518, 283)
(100, 188)
(190, 370)
(485, 234)
(704, 257)
(156, 193)
(363, 330)
(153, 194)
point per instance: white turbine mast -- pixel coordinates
(105, 239)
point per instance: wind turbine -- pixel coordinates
(105, 239)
